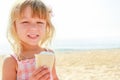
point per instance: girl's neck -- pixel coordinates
(28, 51)
(27, 47)
(30, 48)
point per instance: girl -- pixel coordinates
(30, 29)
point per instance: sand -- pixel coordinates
(87, 65)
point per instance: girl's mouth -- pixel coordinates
(33, 36)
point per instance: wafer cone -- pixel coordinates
(44, 59)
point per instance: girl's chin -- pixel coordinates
(33, 44)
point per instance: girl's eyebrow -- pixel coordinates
(23, 20)
(41, 20)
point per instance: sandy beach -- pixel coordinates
(87, 65)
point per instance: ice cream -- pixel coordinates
(44, 59)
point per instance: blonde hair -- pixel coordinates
(38, 9)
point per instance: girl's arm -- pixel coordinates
(9, 69)
(55, 77)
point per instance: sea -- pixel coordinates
(72, 45)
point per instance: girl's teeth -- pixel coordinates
(32, 36)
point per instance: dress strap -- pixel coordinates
(15, 57)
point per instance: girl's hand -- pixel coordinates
(42, 73)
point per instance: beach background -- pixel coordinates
(86, 41)
(99, 64)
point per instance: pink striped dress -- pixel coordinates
(25, 68)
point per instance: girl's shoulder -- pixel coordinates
(9, 61)
(9, 68)
(9, 58)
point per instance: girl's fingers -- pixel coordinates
(39, 70)
(42, 73)
(45, 77)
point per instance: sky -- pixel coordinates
(78, 23)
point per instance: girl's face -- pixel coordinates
(30, 30)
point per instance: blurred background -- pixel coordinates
(80, 24)
(87, 38)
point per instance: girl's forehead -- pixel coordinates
(28, 11)
(32, 19)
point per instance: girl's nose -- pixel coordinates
(33, 27)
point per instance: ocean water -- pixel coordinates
(87, 44)
(73, 45)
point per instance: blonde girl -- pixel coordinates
(30, 29)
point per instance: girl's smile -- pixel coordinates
(30, 29)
